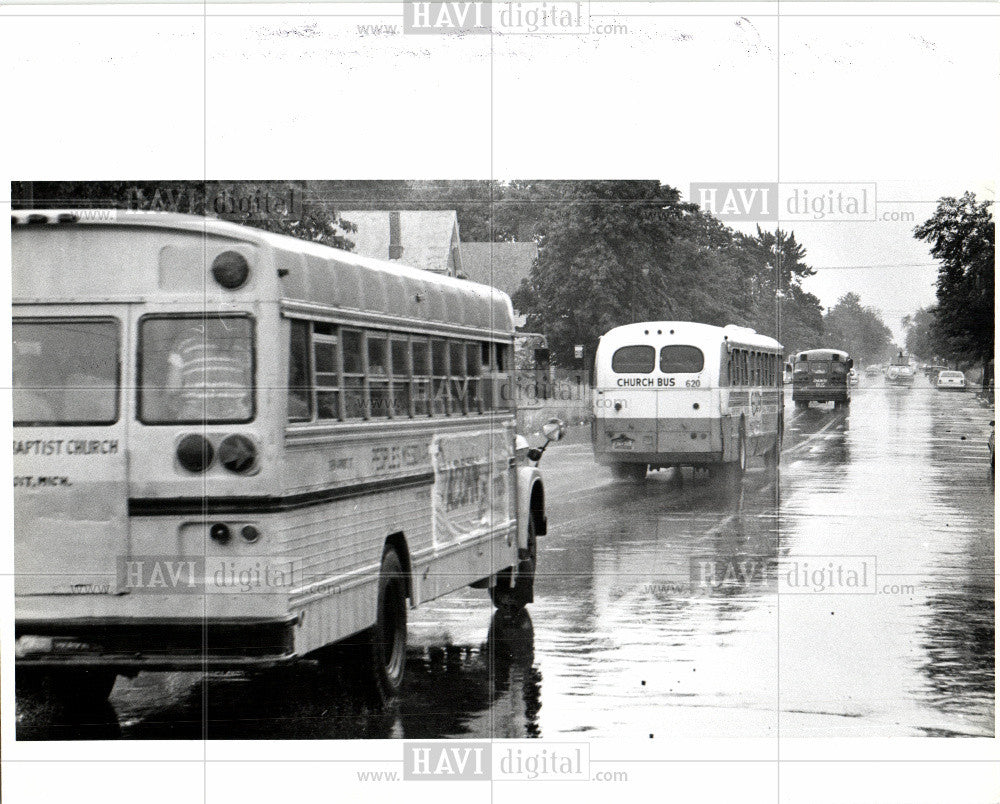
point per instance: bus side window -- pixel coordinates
(326, 360)
(505, 370)
(459, 388)
(299, 387)
(354, 374)
(378, 375)
(474, 369)
(439, 371)
(421, 377)
(401, 374)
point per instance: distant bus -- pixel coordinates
(678, 393)
(234, 448)
(821, 375)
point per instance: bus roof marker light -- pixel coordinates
(67, 217)
(37, 218)
(230, 269)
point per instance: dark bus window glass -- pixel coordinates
(681, 360)
(299, 389)
(421, 377)
(439, 366)
(638, 359)
(353, 380)
(378, 375)
(65, 372)
(400, 356)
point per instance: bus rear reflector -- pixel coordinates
(237, 453)
(195, 453)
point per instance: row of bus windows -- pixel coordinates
(339, 373)
(749, 367)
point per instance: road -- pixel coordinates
(684, 606)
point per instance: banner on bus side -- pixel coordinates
(472, 493)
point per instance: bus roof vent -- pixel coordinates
(36, 217)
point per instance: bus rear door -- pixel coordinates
(70, 456)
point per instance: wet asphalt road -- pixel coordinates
(666, 609)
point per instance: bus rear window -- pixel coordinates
(681, 360)
(636, 359)
(65, 372)
(195, 370)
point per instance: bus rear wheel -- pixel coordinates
(628, 471)
(75, 687)
(737, 468)
(801, 403)
(382, 648)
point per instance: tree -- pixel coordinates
(962, 237)
(922, 336)
(857, 329)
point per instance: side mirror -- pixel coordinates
(991, 422)
(788, 366)
(553, 429)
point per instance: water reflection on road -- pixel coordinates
(658, 610)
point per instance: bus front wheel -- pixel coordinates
(511, 598)
(382, 647)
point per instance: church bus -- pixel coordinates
(679, 393)
(234, 448)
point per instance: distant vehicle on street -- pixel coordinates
(873, 371)
(679, 393)
(951, 381)
(931, 372)
(900, 371)
(821, 375)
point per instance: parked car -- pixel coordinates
(873, 370)
(951, 381)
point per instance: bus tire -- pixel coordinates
(382, 648)
(65, 687)
(512, 598)
(772, 458)
(738, 468)
(801, 403)
(628, 471)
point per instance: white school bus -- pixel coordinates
(234, 448)
(679, 393)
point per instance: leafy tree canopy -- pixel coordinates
(961, 235)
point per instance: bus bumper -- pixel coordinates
(155, 644)
(820, 395)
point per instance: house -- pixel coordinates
(425, 239)
(502, 265)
